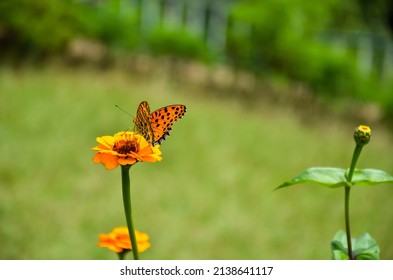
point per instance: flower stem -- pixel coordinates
(347, 225)
(121, 255)
(125, 179)
(355, 157)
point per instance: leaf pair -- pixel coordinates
(364, 247)
(337, 177)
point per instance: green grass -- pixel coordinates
(210, 198)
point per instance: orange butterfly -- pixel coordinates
(156, 126)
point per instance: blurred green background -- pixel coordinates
(271, 88)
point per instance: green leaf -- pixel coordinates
(368, 177)
(364, 247)
(327, 176)
(336, 177)
(339, 246)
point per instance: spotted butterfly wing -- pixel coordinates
(162, 120)
(142, 122)
(156, 126)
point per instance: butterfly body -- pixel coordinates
(155, 126)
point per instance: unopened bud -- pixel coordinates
(362, 135)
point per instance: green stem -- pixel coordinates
(121, 255)
(125, 179)
(355, 157)
(347, 225)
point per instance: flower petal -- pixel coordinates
(119, 240)
(107, 141)
(110, 161)
(100, 148)
(126, 161)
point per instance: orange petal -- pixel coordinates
(97, 158)
(143, 246)
(110, 161)
(125, 161)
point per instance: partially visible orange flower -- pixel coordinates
(125, 148)
(118, 240)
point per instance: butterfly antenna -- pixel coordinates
(124, 111)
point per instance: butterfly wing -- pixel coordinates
(162, 120)
(142, 122)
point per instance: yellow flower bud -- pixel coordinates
(362, 135)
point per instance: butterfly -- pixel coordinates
(155, 126)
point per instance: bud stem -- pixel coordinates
(355, 157)
(347, 224)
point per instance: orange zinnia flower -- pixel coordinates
(125, 148)
(119, 240)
